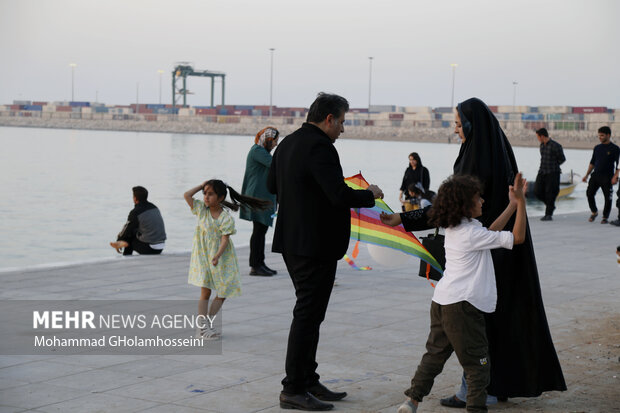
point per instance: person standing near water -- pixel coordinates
(414, 174)
(312, 233)
(524, 362)
(255, 185)
(547, 184)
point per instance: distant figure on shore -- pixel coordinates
(524, 362)
(415, 173)
(255, 184)
(144, 230)
(312, 233)
(213, 264)
(418, 198)
(547, 184)
(603, 167)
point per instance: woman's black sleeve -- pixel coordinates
(416, 220)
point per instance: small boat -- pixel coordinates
(568, 182)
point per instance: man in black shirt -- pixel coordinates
(547, 184)
(144, 230)
(603, 165)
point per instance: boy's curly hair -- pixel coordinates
(454, 201)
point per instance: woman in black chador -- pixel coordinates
(414, 174)
(523, 359)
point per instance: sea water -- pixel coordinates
(67, 193)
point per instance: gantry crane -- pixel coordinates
(182, 70)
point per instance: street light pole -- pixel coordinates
(271, 84)
(161, 72)
(454, 66)
(369, 81)
(72, 65)
(514, 94)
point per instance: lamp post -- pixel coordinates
(369, 81)
(454, 66)
(73, 66)
(161, 72)
(271, 84)
(514, 94)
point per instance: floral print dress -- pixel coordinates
(223, 277)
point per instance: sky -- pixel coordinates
(560, 52)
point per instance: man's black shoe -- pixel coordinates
(453, 402)
(615, 222)
(267, 269)
(304, 401)
(260, 272)
(323, 393)
(547, 218)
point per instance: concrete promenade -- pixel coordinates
(371, 341)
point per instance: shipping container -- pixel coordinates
(532, 116)
(572, 116)
(101, 109)
(444, 109)
(493, 109)
(533, 109)
(39, 103)
(418, 109)
(381, 108)
(64, 109)
(396, 116)
(155, 105)
(258, 112)
(535, 125)
(369, 123)
(244, 107)
(589, 109)
(553, 116)
(555, 109)
(79, 104)
(22, 102)
(263, 108)
(445, 124)
(33, 107)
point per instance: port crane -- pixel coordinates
(182, 71)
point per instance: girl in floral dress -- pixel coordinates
(213, 264)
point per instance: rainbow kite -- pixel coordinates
(366, 226)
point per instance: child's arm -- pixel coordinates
(220, 250)
(190, 193)
(516, 194)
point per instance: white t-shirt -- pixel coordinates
(469, 274)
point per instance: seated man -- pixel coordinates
(144, 230)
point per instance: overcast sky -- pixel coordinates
(561, 52)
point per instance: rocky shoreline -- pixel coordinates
(517, 136)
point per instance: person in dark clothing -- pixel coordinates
(312, 233)
(524, 362)
(603, 166)
(144, 230)
(614, 180)
(255, 185)
(547, 184)
(414, 174)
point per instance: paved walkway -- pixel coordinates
(371, 341)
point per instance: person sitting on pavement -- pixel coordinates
(144, 230)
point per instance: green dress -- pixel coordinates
(223, 277)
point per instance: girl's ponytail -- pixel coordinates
(220, 188)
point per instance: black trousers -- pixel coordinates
(546, 189)
(313, 280)
(603, 182)
(257, 244)
(140, 247)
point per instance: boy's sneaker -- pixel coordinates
(408, 407)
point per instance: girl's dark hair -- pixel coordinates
(417, 158)
(220, 188)
(454, 201)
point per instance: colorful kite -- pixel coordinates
(366, 226)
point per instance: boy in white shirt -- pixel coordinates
(467, 288)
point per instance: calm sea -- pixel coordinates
(67, 193)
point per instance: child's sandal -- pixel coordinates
(604, 221)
